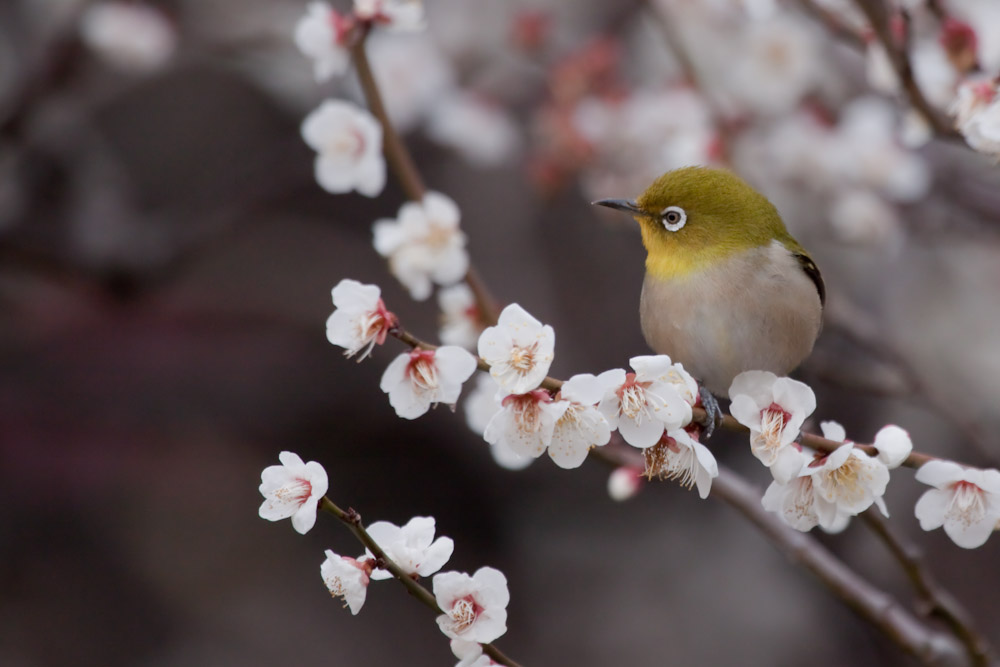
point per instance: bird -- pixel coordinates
(727, 289)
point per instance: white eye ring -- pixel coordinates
(673, 218)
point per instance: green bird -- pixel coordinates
(727, 288)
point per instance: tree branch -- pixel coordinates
(938, 601)
(352, 520)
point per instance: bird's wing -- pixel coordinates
(811, 270)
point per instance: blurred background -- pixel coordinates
(166, 260)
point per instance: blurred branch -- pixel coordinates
(352, 520)
(938, 602)
(404, 167)
(833, 25)
(878, 16)
(874, 605)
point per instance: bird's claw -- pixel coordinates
(713, 413)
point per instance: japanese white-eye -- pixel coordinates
(727, 288)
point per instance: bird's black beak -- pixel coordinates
(620, 204)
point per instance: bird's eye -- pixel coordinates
(673, 218)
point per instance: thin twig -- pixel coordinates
(876, 13)
(352, 520)
(405, 169)
(939, 602)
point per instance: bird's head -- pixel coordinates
(693, 216)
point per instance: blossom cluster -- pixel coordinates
(826, 489)
(474, 607)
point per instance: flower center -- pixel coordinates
(522, 359)
(438, 237)
(847, 480)
(348, 141)
(421, 370)
(668, 460)
(967, 503)
(527, 409)
(464, 613)
(297, 491)
(772, 424)
(632, 397)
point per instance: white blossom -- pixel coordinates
(360, 320)
(475, 608)
(470, 654)
(346, 578)
(293, 489)
(424, 244)
(658, 396)
(461, 321)
(582, 425)
(348, 143)
(480, 406)
(131, 37)
(893, 445)
(413, 75)
(773, 409)
(526, 422)
(860, 216)
(794, 501)
(417, 379)
(321, 35)
(412, 547)
(482, 133)
(394, 14)
(624, 482)
(977, 115)
(519, 350)
(780, 62)
(846, 481)
(680, 457)
(966, 501)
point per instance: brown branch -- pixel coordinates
(352, 520)
(877, 14)
(938, 601)
(404, 167)
(871, 603)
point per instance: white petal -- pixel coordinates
(745, 410)
(395, 373)
(585, 389)
(931, 508)
(939, 473)
(787, 465)
(757, 385)
(833, 431)
(893, 445)
(643, 434)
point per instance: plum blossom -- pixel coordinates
(681, 457)
(321, 35)
(658, 396)
(346, 578)
(417, 379)
(475, 608)
(482, 133)
(360, 320)
(977, 115)
(519, 350)
(525, 423)
(348, 142)
(795, 501)
(966, 501)
(582, 425)
(424, 244)
(624, 482)
(412, 547)
(408, 97)
(470, 654)
(394, 14)
(893, 445)
(461, 322)
(131, 37)
(847, 481)
(773, 409)
(481, 405)
(293, 489)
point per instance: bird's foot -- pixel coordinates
(713, 413)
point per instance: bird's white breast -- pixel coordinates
(757, 310)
